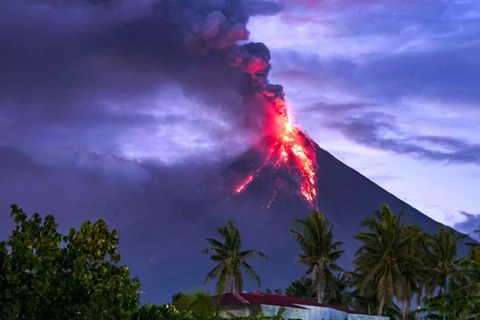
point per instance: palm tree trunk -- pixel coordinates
(406, 309)
(445, 286)
(419, 296)
(231, 283)
(320, 292)
(380, 308)
(419, 302)
(444, 292)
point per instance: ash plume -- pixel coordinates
(84, 50)
(212, 30)
(91, 54)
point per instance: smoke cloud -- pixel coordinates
(63, 58)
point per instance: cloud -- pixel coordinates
(94, 68)
(420, 69)
(470, 223)
(454, 19)
(342, 3)
(378, 130)
(450, 75)
(393, 49)
(336, 110)
(367, 19)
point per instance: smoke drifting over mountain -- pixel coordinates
(63, 57)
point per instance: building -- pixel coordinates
(253, 303)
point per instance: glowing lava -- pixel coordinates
(244, 183)
(288, 146)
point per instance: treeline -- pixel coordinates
(47, 275)
(399, 271)
(398, 265)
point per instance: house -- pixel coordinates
(253, 303)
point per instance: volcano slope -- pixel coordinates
(163, 222)
(345, 197)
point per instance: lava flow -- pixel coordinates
(288, 146)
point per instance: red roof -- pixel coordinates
(258, 298)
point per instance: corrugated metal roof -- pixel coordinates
(258, 298)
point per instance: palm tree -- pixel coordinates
(366, 301)
(412, 272)
(475, 246)
(383, 258)
(230, 259)
(200, 304)
(320, 251)
(301, 288)
(337, 292)
(426, 278)
(443, 250)
(472, 274)
(471, 270)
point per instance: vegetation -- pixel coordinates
(230, 259)
(387, 259)
(397, 265)
(41, 269)
(319, 251)
(399, 271)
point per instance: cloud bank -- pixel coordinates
(96, 68)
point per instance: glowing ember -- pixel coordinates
(288, 146)
(244, 183)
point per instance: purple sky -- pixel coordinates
(391, 88)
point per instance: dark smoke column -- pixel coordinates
(217, 29)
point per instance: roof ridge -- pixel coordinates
(287, 301)
(240, 297)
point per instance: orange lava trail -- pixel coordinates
(252, 177)
(289, 146)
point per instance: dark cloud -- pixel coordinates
(451, 75)
(430, 52)
(448, 75)
(313, 68)
(381, 17)
(64, 64)
(454, 23)
(355, 3)
(470, 223)
(336, 110)
(378, 130)
(98, 180)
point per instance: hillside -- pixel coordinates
(163, 219)
(346, 198)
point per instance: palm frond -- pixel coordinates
(252, 253)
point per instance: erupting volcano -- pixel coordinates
(289, 147)
(286, 144)
(220, 35)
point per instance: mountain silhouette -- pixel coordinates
(345, 197)
(162, 221)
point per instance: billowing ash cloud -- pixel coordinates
(64, 58)
(212, 29)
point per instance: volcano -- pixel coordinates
(264, 212)
(162, 227)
